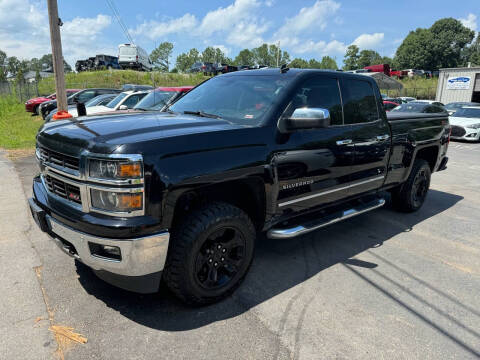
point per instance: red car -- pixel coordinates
(383, 68)
(399, 74)
(32, 104)
(389, 105)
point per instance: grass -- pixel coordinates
(17, 127)
(116, 78)
(417, 87)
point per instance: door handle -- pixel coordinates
(344, 142)
(383, 137)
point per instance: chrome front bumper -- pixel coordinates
(139, 256)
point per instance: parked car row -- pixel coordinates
(110, 101)
(399, 74)
(208, 68)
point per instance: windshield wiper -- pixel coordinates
(202, 114)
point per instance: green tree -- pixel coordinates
(161, 55)
(46, 63)
(186, 60)
(245, 57)
(328, 63)
(269, 54)
(473, 52)
(215, 55)
(351, 58)
(13, 65)
(368, 57)
(3, 66)
(299, 64)
(441, 45)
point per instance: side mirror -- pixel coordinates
(123, 107)
(308, 118)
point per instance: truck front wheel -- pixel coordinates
(210, 253)
(411, 195)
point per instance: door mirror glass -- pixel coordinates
(308, 118)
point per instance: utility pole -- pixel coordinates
(57, 58)
(278, 53)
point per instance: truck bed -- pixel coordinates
(398, 116)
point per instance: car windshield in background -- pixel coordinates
(409, 107)
(468, 113)
(242, 100)
(116, 100)
(458, 105)
(156, 100)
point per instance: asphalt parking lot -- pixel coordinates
(381, 285)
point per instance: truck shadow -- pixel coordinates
(278, 266)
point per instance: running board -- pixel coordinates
(325, 221)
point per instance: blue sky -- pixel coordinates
(305, 28)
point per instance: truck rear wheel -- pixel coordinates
(210, 253)
(411, 195)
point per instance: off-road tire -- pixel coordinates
(408, 197)
(35, 110)
(186, 243)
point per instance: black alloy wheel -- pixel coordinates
(220, 258)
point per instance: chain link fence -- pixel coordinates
(22, 91)
(418, 93)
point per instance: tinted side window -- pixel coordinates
(359, 103)
(320, 92)
(86, 95)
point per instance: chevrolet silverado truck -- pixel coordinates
(182, 195)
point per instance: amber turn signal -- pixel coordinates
(131, 201)
(133, 170)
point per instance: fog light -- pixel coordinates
(105, 251)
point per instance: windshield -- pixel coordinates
(128, 50)
(468, 113)
(243, 100)
(116, 100)
(456, 105)
(155, 100)
(410, 107)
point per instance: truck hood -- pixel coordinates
(104, 134)
(463, 121)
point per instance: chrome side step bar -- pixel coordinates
(325, 221)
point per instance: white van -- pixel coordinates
(131, 56)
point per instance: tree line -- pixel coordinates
(447, 43)
(11, 65)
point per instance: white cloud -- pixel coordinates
(470, 22)
(158, 29)
(224, 19)
(24, 32)
(321, 47)
(369, 41)
(309, 18)
(238, 21)
(222, 48)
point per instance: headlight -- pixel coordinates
(473, 126)
(116, 201)
(111, 169)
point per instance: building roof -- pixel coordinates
(473, 68)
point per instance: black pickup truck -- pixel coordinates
(183, 195)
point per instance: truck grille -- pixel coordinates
(458, 131)
(62, 189)
(58, 159)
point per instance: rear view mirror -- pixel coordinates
(123, 107)
(308, 118)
